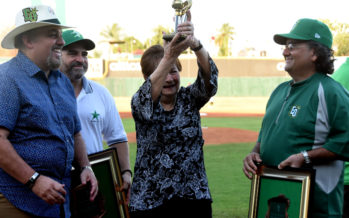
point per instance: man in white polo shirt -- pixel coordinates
(96, 107)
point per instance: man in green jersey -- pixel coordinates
(307, 119)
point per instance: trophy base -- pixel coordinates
(169, 37)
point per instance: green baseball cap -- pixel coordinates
(307, 29)
(73, 36)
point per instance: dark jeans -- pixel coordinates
(346, 202)
(178, 208)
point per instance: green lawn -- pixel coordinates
(248, 123)
(229, 187)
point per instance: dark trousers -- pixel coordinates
(346, 202)
(178, 208)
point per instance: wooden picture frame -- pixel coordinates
(284, 193)
(106, 167)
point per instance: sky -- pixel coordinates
(254, 21)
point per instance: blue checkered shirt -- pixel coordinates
(40, 114)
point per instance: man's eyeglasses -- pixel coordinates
(293, 45)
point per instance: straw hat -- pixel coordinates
(31, 18)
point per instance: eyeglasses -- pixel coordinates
(293, 45)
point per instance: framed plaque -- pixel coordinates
(106, 167)
(280, 193)
(110, 201)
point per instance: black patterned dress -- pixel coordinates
(169, 162)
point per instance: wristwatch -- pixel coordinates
(125, 171)
(32, 180)
(86, 167)
(197, 48)
(306, 157)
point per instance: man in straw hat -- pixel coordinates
(98, 114)
(39, 126)
(307, 119)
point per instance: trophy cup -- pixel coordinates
(181, 8)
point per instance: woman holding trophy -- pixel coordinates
(169, 174)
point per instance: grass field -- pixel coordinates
(229, 187)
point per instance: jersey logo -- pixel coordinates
(294, 111)
(95, 116)
(30, 14)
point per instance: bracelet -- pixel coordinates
(306, 157)
(197, 48)
(125, 171)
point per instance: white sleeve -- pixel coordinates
(113, 130)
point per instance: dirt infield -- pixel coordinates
(129, 115)
(218, 135)
(215, 135)
(224, 135)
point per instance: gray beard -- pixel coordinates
(77, 74)
(52, 63)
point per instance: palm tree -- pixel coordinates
(222, 40)
(131, 44)
(157, 38)
(112, 35)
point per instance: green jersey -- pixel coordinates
(307, 115)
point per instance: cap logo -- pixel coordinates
(30, 14)
(317, 36)
(76, 34)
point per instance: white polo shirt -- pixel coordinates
(99, 117)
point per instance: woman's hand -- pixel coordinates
(174, 48)
(187, 29)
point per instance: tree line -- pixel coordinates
(130, 44)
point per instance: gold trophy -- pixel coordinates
(181, 8)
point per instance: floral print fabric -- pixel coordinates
(169, 160)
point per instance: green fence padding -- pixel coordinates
(227, 87)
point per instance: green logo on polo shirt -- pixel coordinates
(95, 116)
(294, 111)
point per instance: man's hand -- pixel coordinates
(87, 175)
(295, 161)
(49, 190)
(126, 186)
(249, 164)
